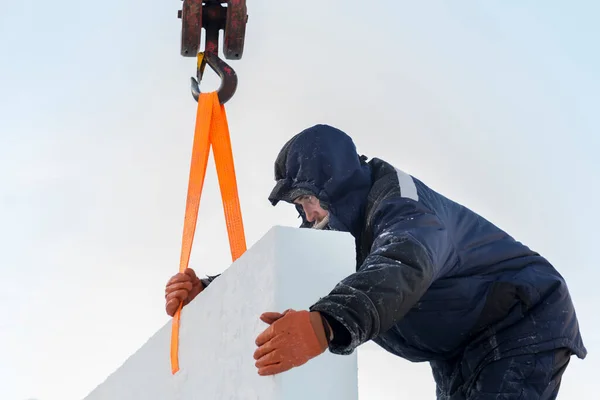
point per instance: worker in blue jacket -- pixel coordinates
(434, 281)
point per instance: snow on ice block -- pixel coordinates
(287, 268)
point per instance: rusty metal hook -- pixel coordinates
(226, 73)
(212, 16)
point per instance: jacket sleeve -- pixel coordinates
(209, 278)
(410, 246)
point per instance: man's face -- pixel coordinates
(312, 209)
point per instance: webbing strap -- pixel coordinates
(211, 129)
(223, 154)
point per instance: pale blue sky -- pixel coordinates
(495, 105)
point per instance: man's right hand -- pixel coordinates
(182, 287)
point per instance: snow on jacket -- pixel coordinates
(433, 280)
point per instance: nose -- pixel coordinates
(313, 213)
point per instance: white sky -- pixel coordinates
(494, 105)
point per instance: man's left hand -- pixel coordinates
(291, 340)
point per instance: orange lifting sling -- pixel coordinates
(211, 129)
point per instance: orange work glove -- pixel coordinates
(182, 287)
(292, 339)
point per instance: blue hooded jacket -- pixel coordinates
(434, 281)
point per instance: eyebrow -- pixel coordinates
(302, 197)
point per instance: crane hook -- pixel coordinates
(226, 73)
(213, 16)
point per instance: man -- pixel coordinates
(434, 281)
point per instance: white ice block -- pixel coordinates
(287, 268)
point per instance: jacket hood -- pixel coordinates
(322, 161)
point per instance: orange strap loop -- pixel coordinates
(211, 129)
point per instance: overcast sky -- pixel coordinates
(494, 105)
